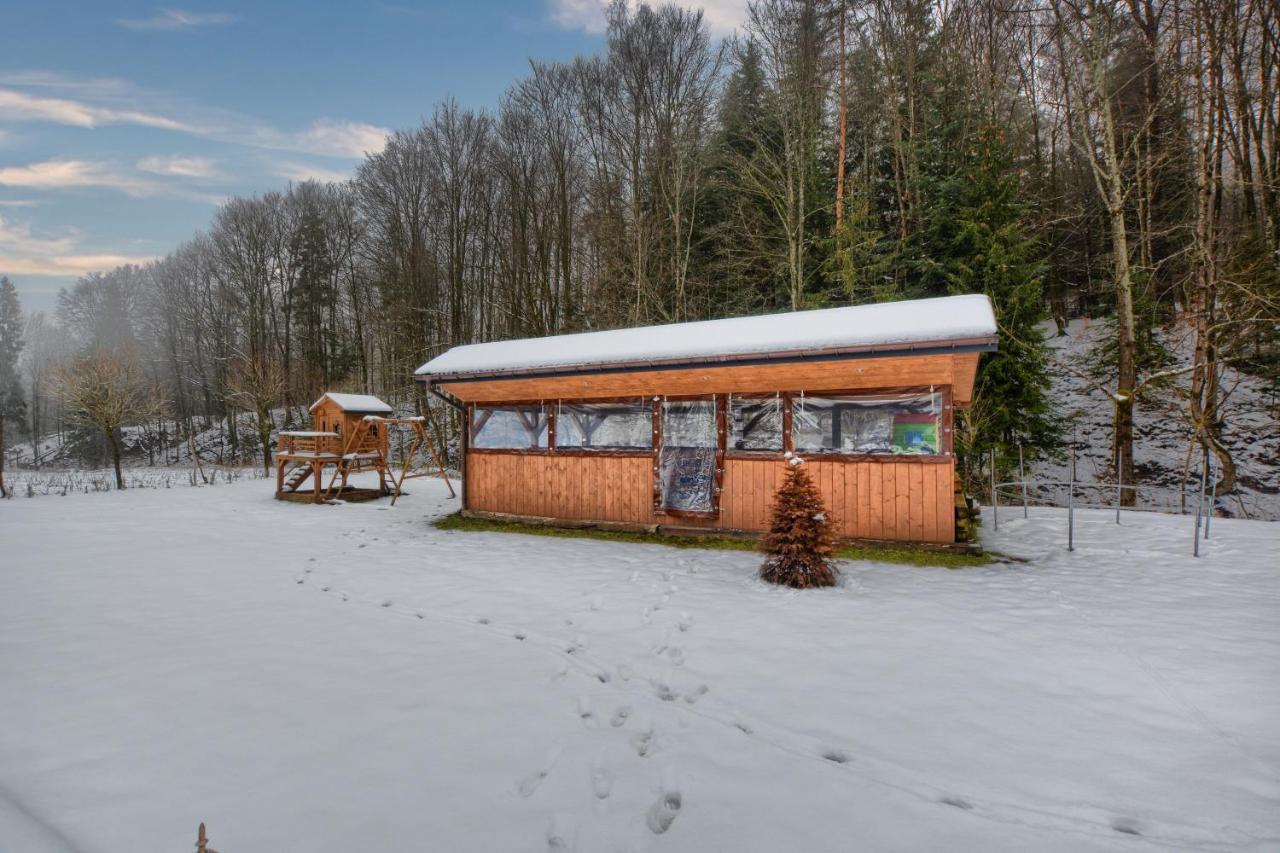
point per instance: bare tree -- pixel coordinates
(107, 392)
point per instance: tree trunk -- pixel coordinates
(113, 439)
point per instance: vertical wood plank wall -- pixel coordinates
(911, 500)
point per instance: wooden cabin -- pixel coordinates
(688, 425)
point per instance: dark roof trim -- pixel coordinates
(979, 345)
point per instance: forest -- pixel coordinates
(1111, 159)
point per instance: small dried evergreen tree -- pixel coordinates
(800, 540)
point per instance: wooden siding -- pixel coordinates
(847, 374)
(908, 500)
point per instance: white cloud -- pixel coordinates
(176, 19)
(180, 166)
(62, 265)
(69, 174)
(24, 253)
(332, 138)
(295, 171)
(722, 16)
(60, 174)
(20, 106)
(95, 102)
(17, 236)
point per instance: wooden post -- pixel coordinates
(1119, 491)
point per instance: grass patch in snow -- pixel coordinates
(875, 553)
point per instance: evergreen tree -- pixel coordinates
(976, 240)
(800, 542)
(12, 403)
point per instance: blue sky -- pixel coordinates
(123, 125)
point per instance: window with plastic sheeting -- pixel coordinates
(687, 458)
(509, 427)
(905, 424)
(605, 426)
(755, 423)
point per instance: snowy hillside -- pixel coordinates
(351, 678)
(1252, 430)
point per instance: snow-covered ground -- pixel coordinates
(350, 678)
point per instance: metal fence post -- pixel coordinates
(1071, 515)
(1022, 476)
(1213, 497)
(995, 499)
(1071, 497)
(1195, 547)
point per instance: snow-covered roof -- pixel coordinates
(882, 326)
(353, 402)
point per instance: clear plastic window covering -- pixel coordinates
(898, 424)
(516, 427)
(687, 458)
(755, 423)
(605, 426)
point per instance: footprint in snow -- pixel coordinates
(601, 780)
(685, 623)
(387, 603)
(530, 783)
(311, 559)
(1126, 826)
(664, 692)
(957, 802)
(743, 727)
(597, 602)
(839, 756)
(624, 671)
(696, 694)
(579, 642)
(642, 742)
(519, 635)
(483, 620)
(584, 709)
(620, 716)
(299, 580)
(560, 834)
(676, 655)
(325, 588)
(663, 812)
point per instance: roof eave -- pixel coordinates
(986, 343)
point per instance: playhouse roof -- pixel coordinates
(887, 327)
(362, 403)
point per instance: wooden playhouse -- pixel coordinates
(350, 433)
(688, 425)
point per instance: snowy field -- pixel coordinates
(350, 678)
